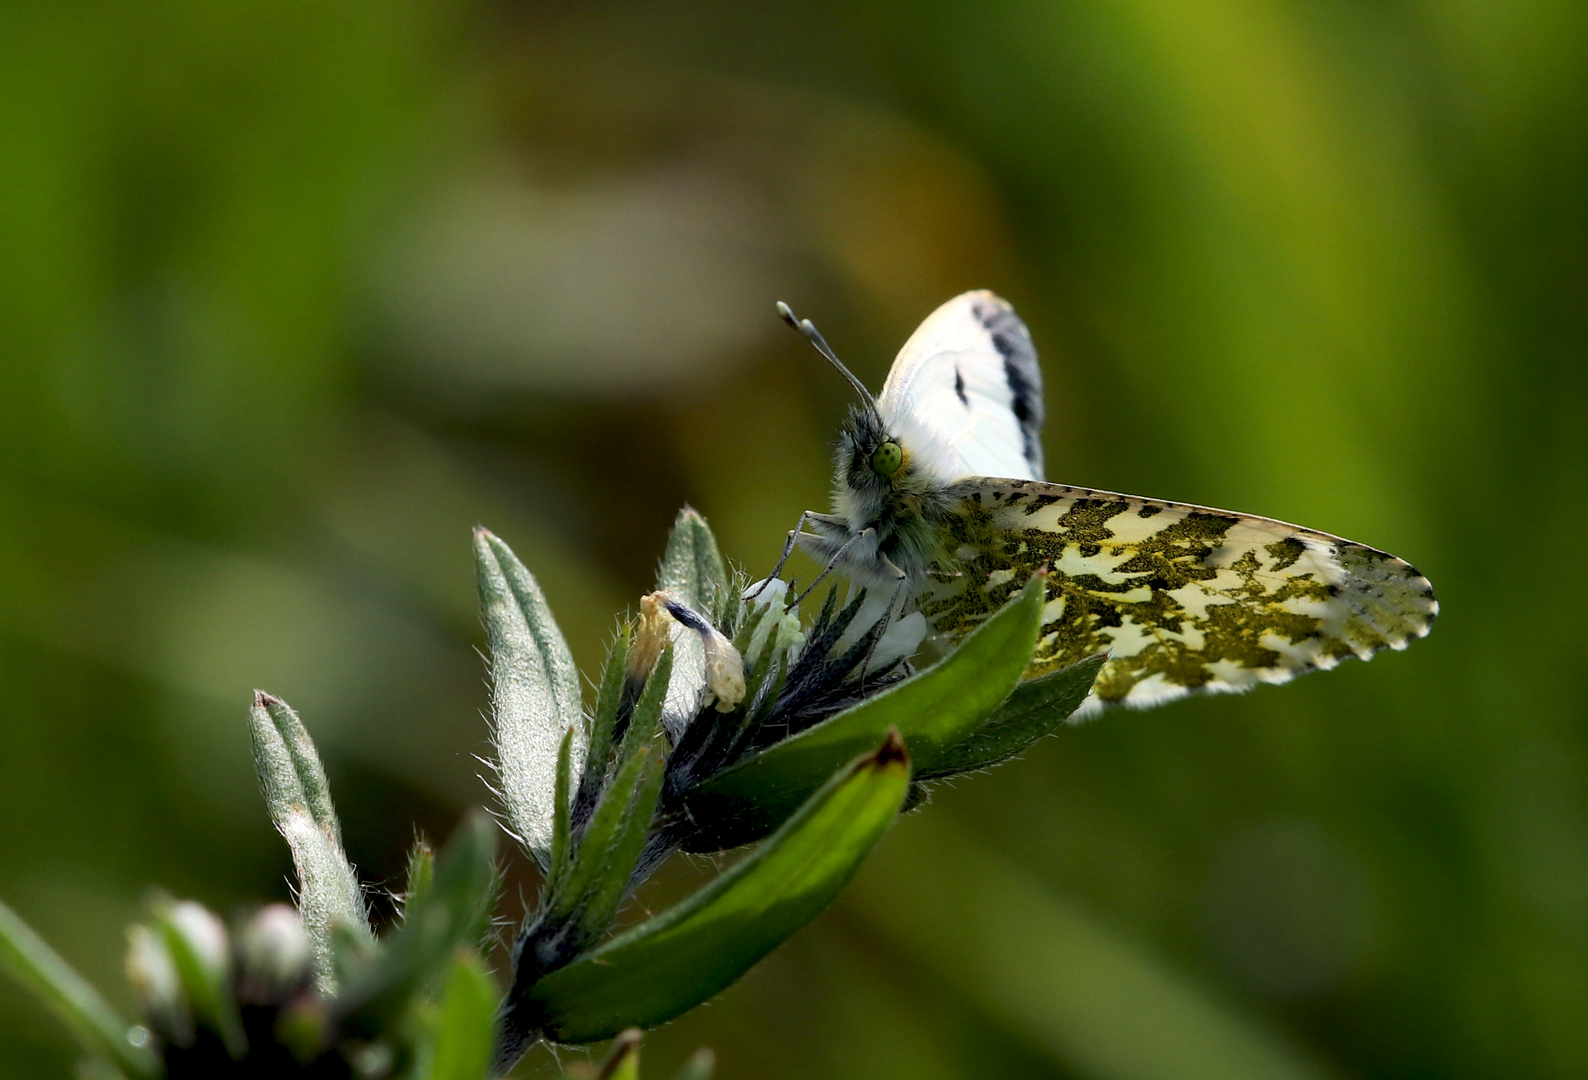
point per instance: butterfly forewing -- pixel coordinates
(1183, 598)
(965, 394)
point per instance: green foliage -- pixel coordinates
(466, 1036)
(534, 692)
(823, 808)
(454, 913)
(299, 800)
(26, 958)
(692, 566)
(1033, 709)
(588, 889)
(418, 1003)
(936, 711)
(668, 964)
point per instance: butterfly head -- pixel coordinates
(874, 470)
(874, 467)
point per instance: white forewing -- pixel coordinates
(964, 396)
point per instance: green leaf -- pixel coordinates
(421, 874)
(935, 711)
(693, 572)
(673, 962)
(562, 817)
(692, 566)
(299, 799)
(535, 694)
(78, 1005)
(609, 887)
(453, 914)
(608, 699)
(468, 1014)
(608, 849)
(1032, 709)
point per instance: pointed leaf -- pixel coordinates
(610, 887)
(468, 1013)
(562, 817)
(299, 799)
(534, 692)
(693, 571)
(1033, 709)
(692, 567)
(673, 962)
(602, 849)
(935, 711)
(603, 723)
(421, 875)
(78, 1005)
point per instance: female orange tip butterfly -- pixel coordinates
(939, 497)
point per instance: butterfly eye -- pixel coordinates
(886, 459)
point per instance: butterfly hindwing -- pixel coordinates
(965, 394)
(1183, 598)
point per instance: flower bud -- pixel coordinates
(273, 956)
(157, 986)
(724, 670)
(205, 934)
(779, 630)
(196, 939)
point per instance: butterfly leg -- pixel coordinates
(832, 563)
(792, 542)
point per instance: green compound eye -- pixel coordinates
(886, 459)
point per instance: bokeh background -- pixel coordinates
(294, 293)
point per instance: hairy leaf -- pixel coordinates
(1033, 709)
(673, 962)
(299, 799)
(535, 695)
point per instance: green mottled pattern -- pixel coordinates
(1181, 598)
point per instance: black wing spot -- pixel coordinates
(959, 388)
(1013, 344)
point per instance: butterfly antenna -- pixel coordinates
(819, 343)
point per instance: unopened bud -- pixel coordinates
(273, 956)
(204, 933)
(196, 939)
(724, 670)
(778, 631)
(157, 986)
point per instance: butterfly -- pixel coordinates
(939, 497)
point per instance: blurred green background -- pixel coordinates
(292, 294)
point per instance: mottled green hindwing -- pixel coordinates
(1182, 598)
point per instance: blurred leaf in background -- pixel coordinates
(293, 295)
